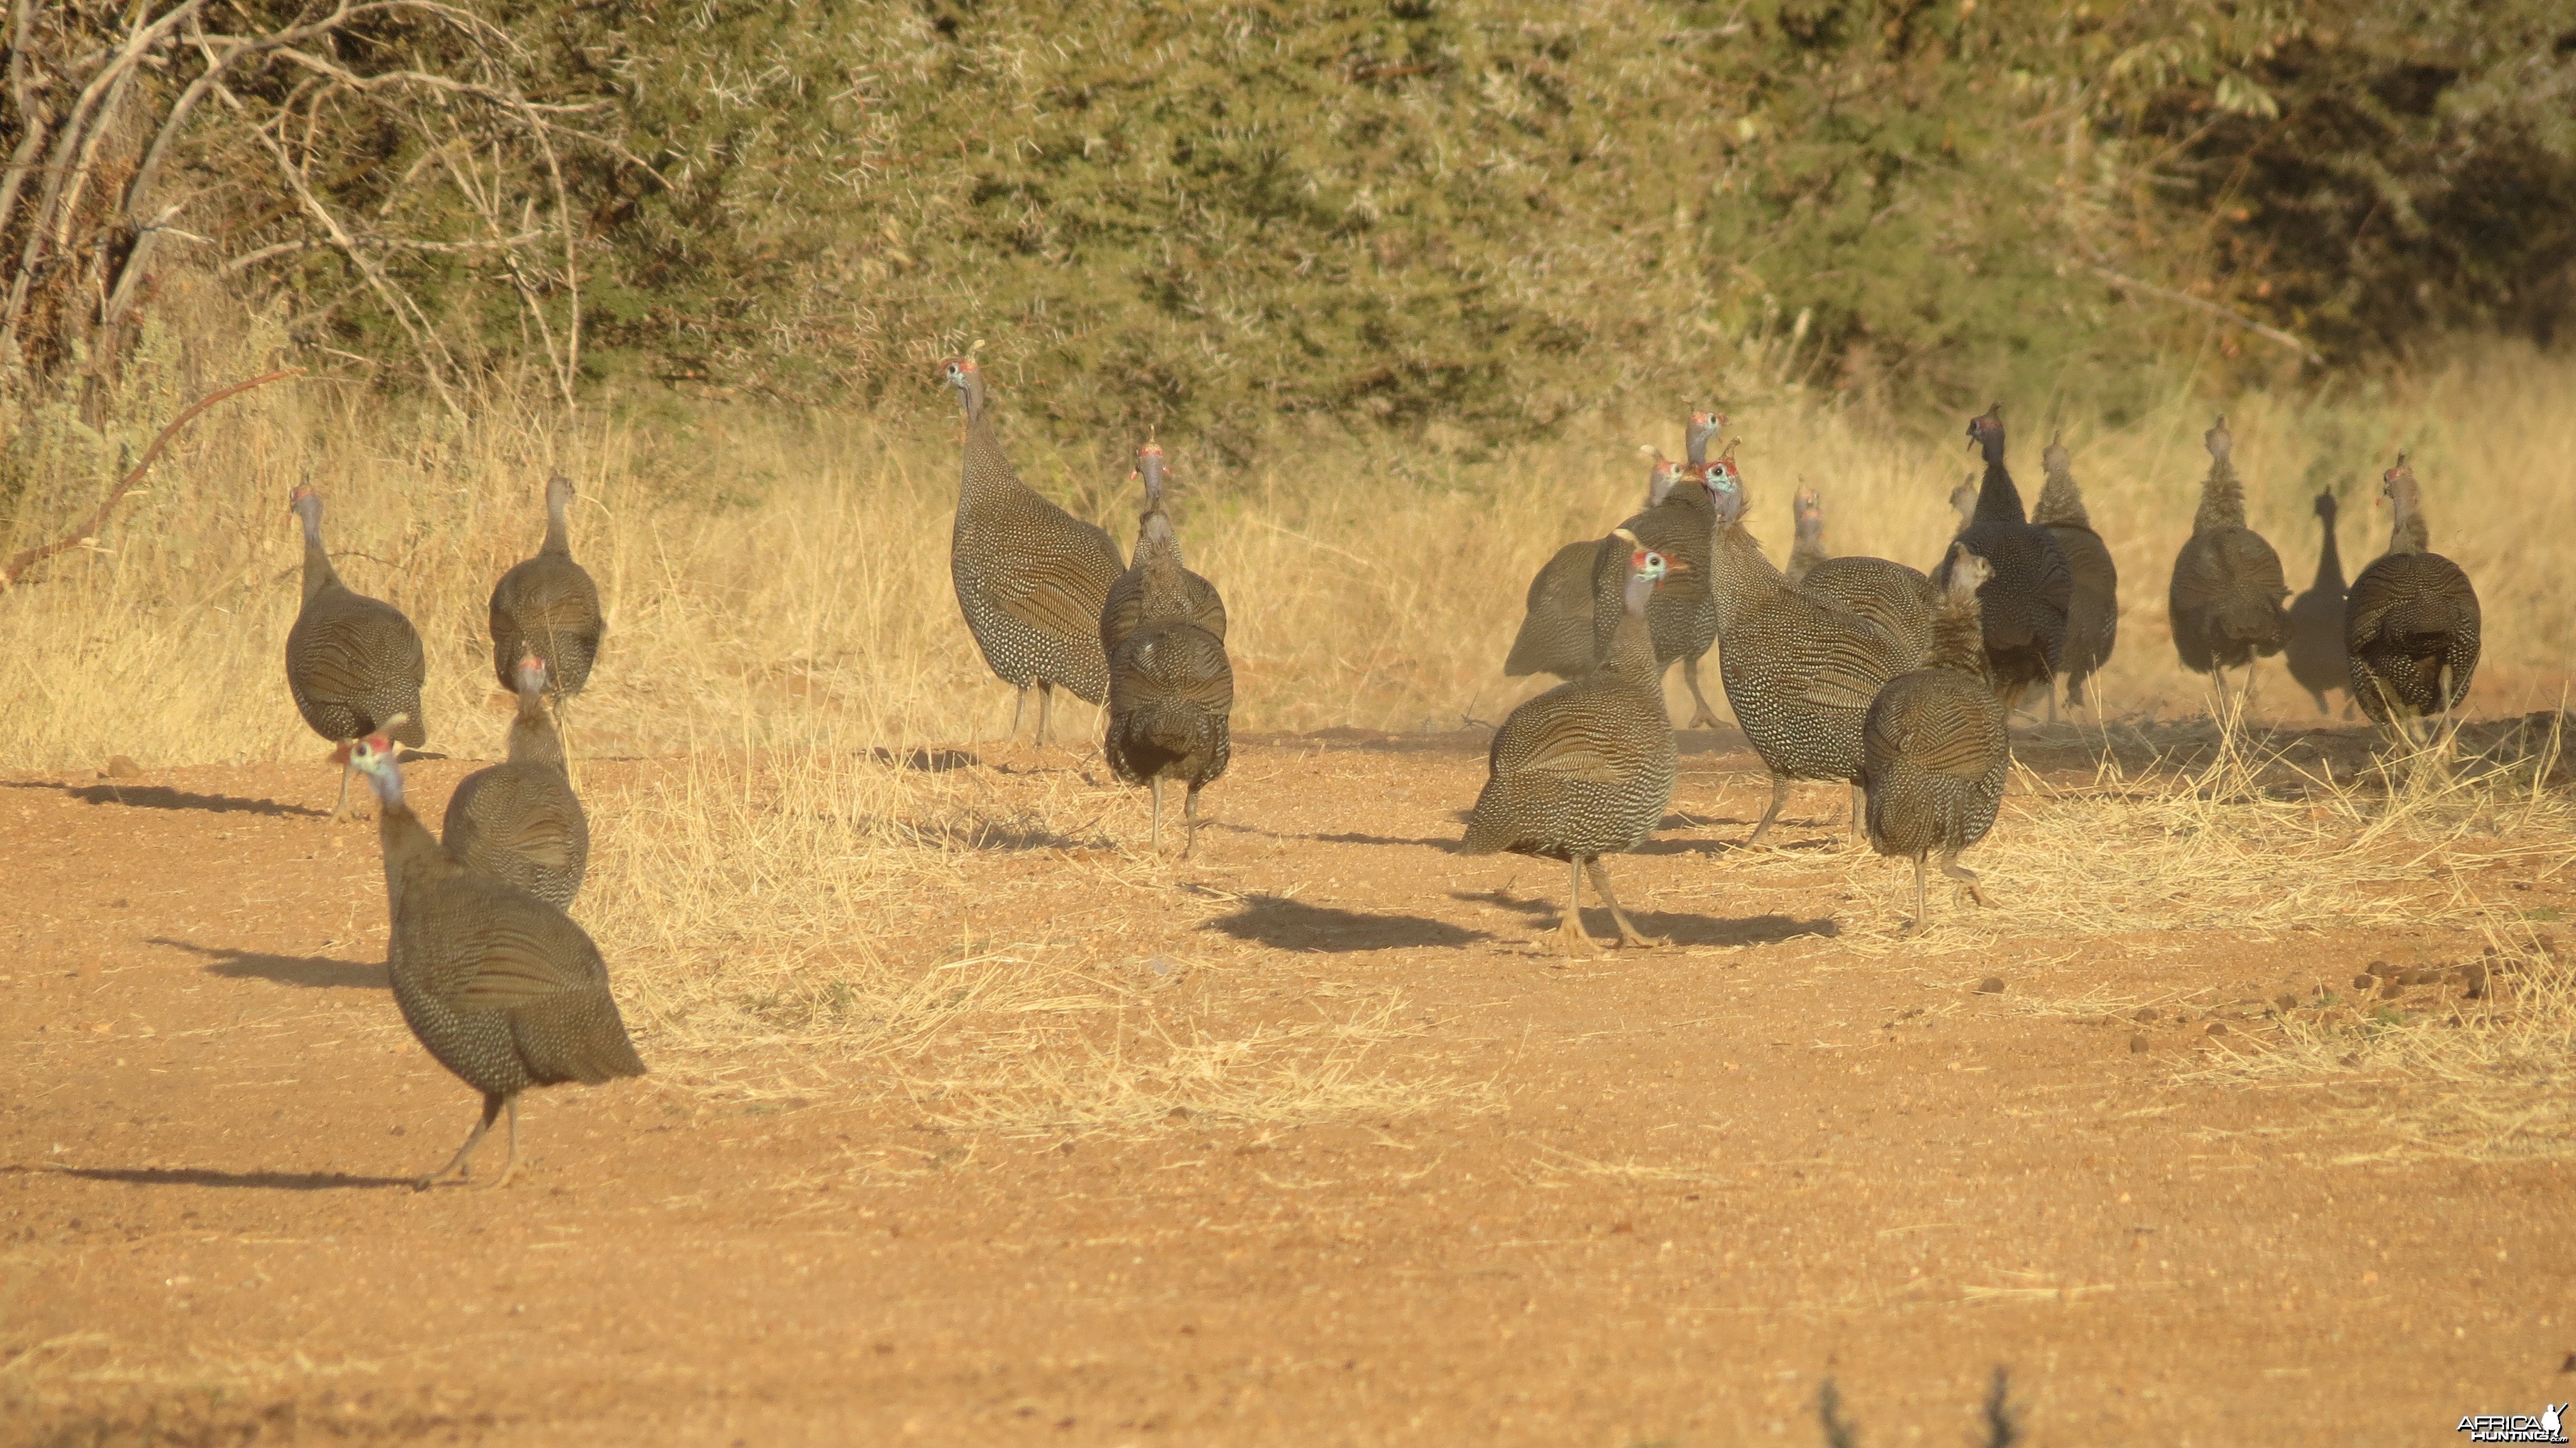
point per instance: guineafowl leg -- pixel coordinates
(340, 807)
(1189, 822)
(1860, 815)
(1701, 714)
(1019, 707)
(1571, 932)
(1600, 874)
(510, 1166)
(1920, 920)
(1155, 787)
(1046, 706)
(2321, 700)
(456, 1165)
(1951, 867)
(1779, 797)
(2051, 696)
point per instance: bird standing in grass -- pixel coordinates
(1934, 743)
(519, 821)
(2225, 599)
(1031, 578)
(2093, 605)
(501, 987)
(548, 606)
(1586, 769)
(1171, 688)
(2316, 654)
(2411, 622)
(354, 663)
(2027, 600)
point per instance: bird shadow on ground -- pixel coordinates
(157, 796)
(194, 1176)
(318, 971)
(1679, 929)
(1449, 847)
(1285, 924)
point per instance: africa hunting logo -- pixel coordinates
(2549, 1427)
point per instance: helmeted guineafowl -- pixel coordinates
(1586, 769)
(1556, 635)
(519, 821)
(503, 988)
(1887, 593)
(2026, 601)
(1799, 671)
(1934, 742)
(1125, 606)
(2093, 607)
(548, 606)
(1031, 578)
(1171, 689)
(354, 663)
(1680, 619)
(1807, 549)
(2411, 621)
(2225, 600)
(2316, 653)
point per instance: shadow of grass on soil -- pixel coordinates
(319, 972)
(1285, 924)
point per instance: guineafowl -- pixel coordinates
(354, 663)
(520, 821)
(2225, 601)
(1556, 622)
(548, 606)
(503, 988)
(2027, 600)
(2093, 608)
(1586, 769)
(1171, 690)
(2411, 621)
(1799, 671)
(1934, 743)
(1807, 512)
(1031, 578)
(2316, 653)
(1680, 618)
(1125, 607)
(1963, 500)
(1889, 594)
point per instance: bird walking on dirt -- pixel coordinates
(548, 606)
(2412, 625)
(1586, 769)
(2225, 599)
(1031, 578)
(354, 663)
(502, 988)
(519, 820)
(1934, 743)
(1171, 688)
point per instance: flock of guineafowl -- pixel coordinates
(1855, 669)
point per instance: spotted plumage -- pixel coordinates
(502, 988)
(2411, 621)
(1896, 598)
(1031, 578)
(1933, 745)
(1183, 594)
(1171, 688)
(2225, 599)
(354, 663)
(2026, 602)
(2093, 600)
(1800, 672)
(1586, 769)
(548, 606)
(2316, 653)
(519, 821)
(1681, 620)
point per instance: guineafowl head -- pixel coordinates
(2326, 508)
(1647, 569)
(1986, 432)
(1809, 509)
(559, 492)
(531, 674)
(1149, 466)
(1662, 476)
(306, 504)
(962, 374)
(1703, 426)
(2218, 439)
(1963, 500)
(1725, 485)
(1968, 572)
(2053, 459)
(373, 757)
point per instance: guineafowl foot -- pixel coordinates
(1189, 823)
(1576, 940)
(1628, 933)
(510, 1164)
(455, 1168)
(1779, 797)
(340, 810)
(1967, 877)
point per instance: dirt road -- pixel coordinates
(1456, 1188)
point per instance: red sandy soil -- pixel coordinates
(1835, 1163)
